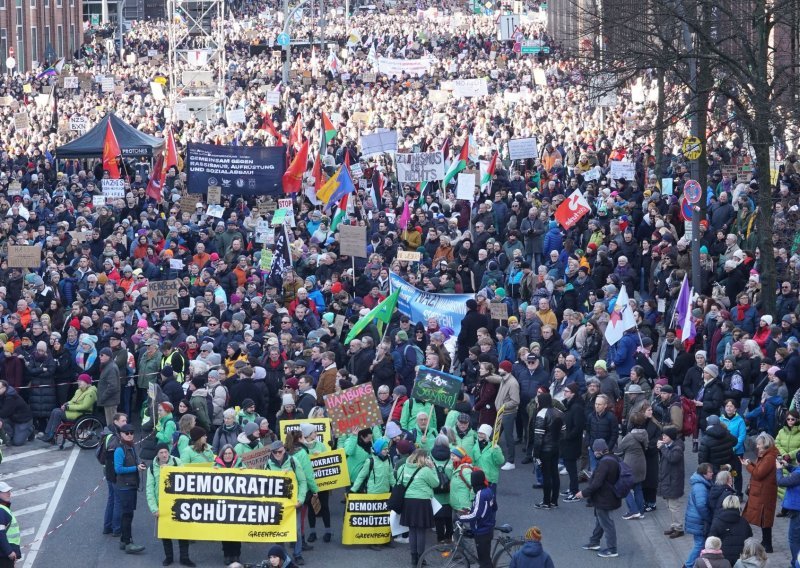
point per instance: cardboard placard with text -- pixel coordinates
(353, 409)
(24, 256)
(353, 240)
(163, 294)
(499, 310)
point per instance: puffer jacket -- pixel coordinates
(531, 555)
(717, 446)
(716, 496)
(697, 514)
(40, 375)
(738, 429)
(574, 422)
(671, 474)
(602, 426)
(548, 429)
(632, 448)
(788, 442)
(733, 530)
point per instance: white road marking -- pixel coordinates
(34, 488)
(30, 557)
(27, 532)
(23, 455)
(28, 510)
(30, 470)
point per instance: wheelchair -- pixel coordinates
(86, 431)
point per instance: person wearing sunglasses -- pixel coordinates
(128, 467)
(279, 460)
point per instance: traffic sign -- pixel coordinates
(693, 191)
(283, 39)
(692, 147)
(686, 209)
(517, 47)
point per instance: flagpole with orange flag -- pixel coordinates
(293, 178)
(111, 152)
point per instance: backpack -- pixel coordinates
(780, 418)
(176, 436)
(689, 417)
(203, 412)
(418, 352)
(227, 397)
(624, 482)
(102, 449)
(397, 498)
(364, 485)
(444, 481)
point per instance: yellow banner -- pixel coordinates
(323, 426)
(366, 519)
(245, 505)
(330, 470)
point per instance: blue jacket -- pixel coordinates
(531, 555)
(482, 516)
(738, 428)
(625, 354)
(764, 415)
(697, 515)
(791, 482)
(507, 351)
(553, 239)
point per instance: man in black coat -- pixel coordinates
(248, 388)
(716, 444)
(171, 388)
(16, 419)
(572, 438)
(472, 322)
(600, 493)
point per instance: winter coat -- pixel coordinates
(290, 465)
(356, 456)
(153, 474)
(632, 448)
(461, 494)
(716, 446)
(508, 394)
(763, 490)
(485, 397)
(671, 474)
(714, 559)
(423, 484)
(108, 387)
(738, 429)
(42, 397)
(489, 459)
(165, 428)
(226, 435)
(548, 429)
(189, 455)
(788, 442)
(148, 369)
(466, 440)
(408, 417)
(713, 397)
(303, 460)
(82, 402)
(716, 496)
(600, 490)
(602, 426)
(733, 530)
(377, 474)
(574, 422)
(697, 515)
(13, 408)
(531, 555)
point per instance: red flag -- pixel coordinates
(293, 178)
(316, 171)
(170, 155)
(269, 126)
(296, 132)
(111, 152)
(572, 209)
(155, 184)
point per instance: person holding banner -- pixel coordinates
(296, 449)
(422, 434)
(198, 451)
(280, 460)
(412, 408)
(419, 478)
(153, 473)
(311, 445)
(376, 476)
(229, 459)
(357, 448)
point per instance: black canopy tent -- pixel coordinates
(132, 143)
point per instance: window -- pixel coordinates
(47, 39)
(3, 45)
(46, 3)
(33, 4)
(58, 3)
(34, 44)
(60, 41)
(20, 38)
(72, 46)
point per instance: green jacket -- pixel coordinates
(444, 498)
(317, 447)
(291, 465)
(429, 439)
(165, 428)
(303, 460)
(381, 478)
(82, 402)
(148, 369)
(468, 441)
(242, 448)
(451, 419)
(190, 455)
(243, 417)
(489, 460)
(356, 456)
(422, 485)
(153, 473)
(461, 494)
(408, 418)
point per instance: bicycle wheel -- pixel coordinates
(443, 556)
(88, 431)
(502, 558)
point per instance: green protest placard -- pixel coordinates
(436, 387)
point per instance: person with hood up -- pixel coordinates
(248, 440)
(482, 517)
(277, 558)
(532, 555)
(153, 474)
(717, 445)
(698, 515)
(632, 448)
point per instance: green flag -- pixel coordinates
(382, 312)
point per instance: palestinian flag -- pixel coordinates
(458, 165)
(340, 214)
(328, 129)
(487, 177)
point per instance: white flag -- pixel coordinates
(621, 318)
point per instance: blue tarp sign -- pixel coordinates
(448, 309)
(238, 170)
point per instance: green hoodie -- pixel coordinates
(153, 473)
(422, 485)
(408, 418)
(447, 466)
(165, 428)
(291, 465)
(381, 478)
(467, 441)
(461, 494)
(489, 459)
(356, 456)
(189, 455)
(304, 461)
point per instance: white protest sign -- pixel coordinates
(158, 90)
(592, 174)
(522, 148)
(175, 264)
(419, 167)
(287, 205)
(415, 67)
(622, 170)
(114, 188)
(273, 98)
(465, 88)
(98, 200)
(21, 122)
(107, 85)
(71, 82)
(235, 116)
(378, 143)
(465, 189)
(357, 171)
(78, 123)
(262, 228)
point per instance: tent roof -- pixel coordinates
(132, 143)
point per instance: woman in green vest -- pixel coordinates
(412, 409)
(376, 476)
(461, 494)
(280, 460)
(419, 478)
(311, 445)
(444, 471)
(166, 426)
(465, 436)
(163, 459)
(357, 449)
(423, 433)
(199, 451)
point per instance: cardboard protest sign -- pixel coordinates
(214, 196)
(366, 519)
(255, 459)
(353, 409)
(499, 310)
(410, 256)
(21, 122)
(114, 188)
(353, 240)
(246, 505)
(163, 294)
(189, 203)
(323, 426)
(330, 470)
(436, 387)
(24, 256)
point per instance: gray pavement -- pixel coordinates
(78, 542)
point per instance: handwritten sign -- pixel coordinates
(21, 122)
(353, 409)
(189, 203)
(419, 167)
(214, 195)
(436, 387)
(24, 256)
(622, 170)
(163, 294)
(71, 82)
(465, 188)
(255, 459)
(114, 188)
(522, 148)
(499, 310)
(409, 256)
(353, 240)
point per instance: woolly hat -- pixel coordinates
(167, 407)
(277, 551)
(601, 364)
(287, 400)
(712, 370)
(402, 335)
(247, 403)
(167, 372)
(85, 378)
(196, 433)
(506, 366)
(712, 420)
(404, 447)
(771, 390)
(773, 370)
(501, 292)
(307, 429)
(250, 429)
(379, 445)
(106, 351)
(486, 430)
(458, 453)
(599, 445)
(767, 319)
(393, 430)
(670, 432)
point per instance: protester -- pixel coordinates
(532, 555)
(697, 512)
(419, 478)
(600, 495)
(671, 477)
(127, 467)
(763, 492)
(9, 533)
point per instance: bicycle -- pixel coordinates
(86, 431)
(459, 555)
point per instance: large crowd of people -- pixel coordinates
(249, 347)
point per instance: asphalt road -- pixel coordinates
(74, 540)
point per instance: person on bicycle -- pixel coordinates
(482, 517)
(81, 403)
